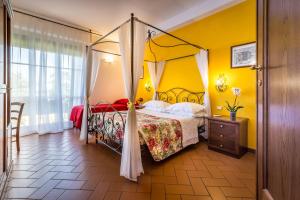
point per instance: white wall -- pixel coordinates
(109, 84)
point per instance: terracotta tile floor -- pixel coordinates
(58, 166)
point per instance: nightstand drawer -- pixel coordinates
(217, 135)
(220, 129)
(225, 145)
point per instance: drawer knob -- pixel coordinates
(221, 145)
(221, 135)
(221, 126)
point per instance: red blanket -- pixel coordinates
(77, 111)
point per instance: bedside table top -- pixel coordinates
(224, 118)
(139, 107)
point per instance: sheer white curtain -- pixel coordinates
(156, 74)
(202, 62)
(47, 72)
(91, 73)
(131, 162)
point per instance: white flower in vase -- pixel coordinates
(235, 106)
(236, 91)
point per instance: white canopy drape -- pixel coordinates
(91, 73)
(202, 62)
(131, 162)
(156, 74)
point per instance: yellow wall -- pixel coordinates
(233, 26)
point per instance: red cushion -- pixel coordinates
(121, 101)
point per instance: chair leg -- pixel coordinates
(18, 140)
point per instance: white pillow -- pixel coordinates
(186, 108)
(156, 105)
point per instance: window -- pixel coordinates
(50, 84)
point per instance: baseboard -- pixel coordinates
(250, 150)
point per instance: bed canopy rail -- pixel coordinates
(171, 35)
(111, 32)
(149, 39)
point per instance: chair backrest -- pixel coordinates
(16, 111)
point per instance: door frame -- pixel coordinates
(262, 99)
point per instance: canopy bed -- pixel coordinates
(167, 124)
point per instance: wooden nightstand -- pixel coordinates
(228, 136)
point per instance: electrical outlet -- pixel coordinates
(219, 107)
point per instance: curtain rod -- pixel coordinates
(55, 22)
(169, 34)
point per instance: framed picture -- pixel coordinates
(243, 55)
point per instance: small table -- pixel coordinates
(227, 136)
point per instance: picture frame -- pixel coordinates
(243, 55)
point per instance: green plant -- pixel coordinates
(235, 107)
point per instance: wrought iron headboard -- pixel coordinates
(176, 95)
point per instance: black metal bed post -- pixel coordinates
(87, 113)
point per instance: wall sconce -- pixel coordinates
(109, 58)
(221, 83)
(147, 86)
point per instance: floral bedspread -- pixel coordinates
(163, 136)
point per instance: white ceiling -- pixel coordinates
(103, 15)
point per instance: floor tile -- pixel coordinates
(179, 189)
(44, 190)
(75, 195)
(66, 176)
(54, 194)
(215, 182)
(135, 196)
(198, 186)
(237, 192)
(20, 182)
(216, 193)
(22, 193)
(71, 185)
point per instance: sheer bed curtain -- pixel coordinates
(92, 68)
(47, 72)
(155, 74)
(131, 162)
(202, 62)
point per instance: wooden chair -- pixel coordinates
(16, 114)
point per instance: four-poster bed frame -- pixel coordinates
(106, 129)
